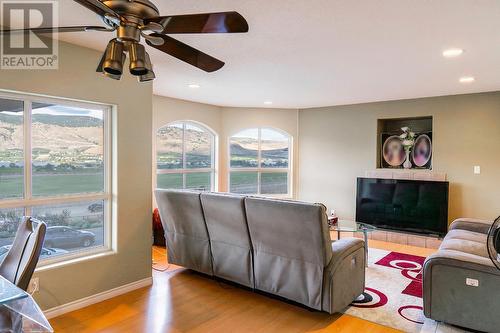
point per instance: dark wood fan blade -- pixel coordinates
(98, 7)
(187, 54)
(226, 22)
(57, 30)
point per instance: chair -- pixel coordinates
(19, 265)
(22, 258)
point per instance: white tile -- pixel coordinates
(444, 328)
(402, 175)
(382, 174)
(430, 326)
(398, 238)
(379, 235)
(418, 241)
(432, 243)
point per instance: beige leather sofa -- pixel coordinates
(460, 282)
(275, 246)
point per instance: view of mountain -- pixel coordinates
(60, 120)
(55, 139)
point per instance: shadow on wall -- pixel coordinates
(455, 202)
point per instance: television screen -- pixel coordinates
(403, 205)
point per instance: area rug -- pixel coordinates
(393, 294)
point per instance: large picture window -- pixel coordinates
(185, 157)
(54, 166)
(260, 162)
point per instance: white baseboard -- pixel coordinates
(83, 302)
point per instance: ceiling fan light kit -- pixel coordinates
(150, 75)
(133, 20)
(113, 58)
(137, 55)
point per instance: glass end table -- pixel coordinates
(353, 226)
(20, 303)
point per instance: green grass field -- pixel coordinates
(199, 180)
(241, 182)
(270, 182)
(52, 184)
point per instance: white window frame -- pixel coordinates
(28, 202)
(259, 169)
(184, 171)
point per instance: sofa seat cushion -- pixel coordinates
(460, 243)
(466, 241)
(466, 235)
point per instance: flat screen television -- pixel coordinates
(403, 205)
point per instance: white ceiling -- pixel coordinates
(311, 53)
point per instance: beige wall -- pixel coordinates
(167, 110)
(225, 122)
(338, 144)
(77, 79)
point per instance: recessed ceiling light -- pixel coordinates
(193, 86)
(467, 79)
(268, 103)
(452, 53)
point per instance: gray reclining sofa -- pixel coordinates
(275, 246)
(461, 284)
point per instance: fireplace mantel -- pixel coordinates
(411, 174)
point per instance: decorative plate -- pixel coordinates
(422, 151)
(393, 151)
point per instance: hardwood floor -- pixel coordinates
(183, 301)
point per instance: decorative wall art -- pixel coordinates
(422, 152)
(393, 151)
(405, 147)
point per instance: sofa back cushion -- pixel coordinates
(230, 241)
(291, 245)
(186, 233)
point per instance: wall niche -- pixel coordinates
(405, 143)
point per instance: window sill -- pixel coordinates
(50, 264)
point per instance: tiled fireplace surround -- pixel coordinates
(395, 237)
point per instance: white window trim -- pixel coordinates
(28, 202)
(260, 169)
(184, 171)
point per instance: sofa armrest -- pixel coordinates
(460, 260)
(455, 259)
(474, 225)
(343, 248)
(447, 292)
(344, 276)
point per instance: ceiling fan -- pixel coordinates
(136, 19)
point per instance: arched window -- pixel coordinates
(260, 162)
(185, 157)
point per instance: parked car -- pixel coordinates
(45, 253)
(96, 208)
(66, 237)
